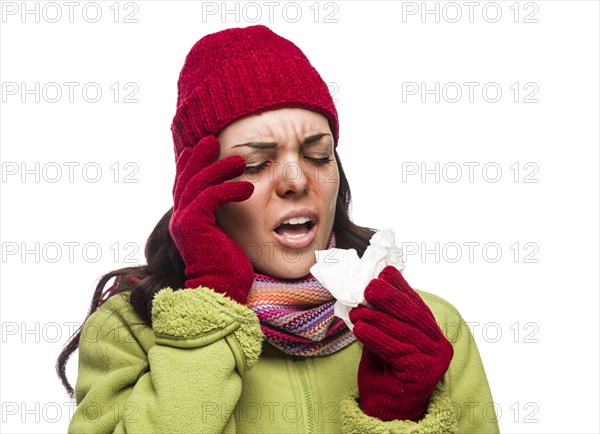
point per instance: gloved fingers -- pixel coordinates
(210, 199)
(393, 276)
(372, 364)
(397, 354)
(375, 334)
(434, 351)
(400, 305)
(395, 332)
(407, 365)
(216, 173)
(203, 154)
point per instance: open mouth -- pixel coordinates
(297, 232)
(294, 230)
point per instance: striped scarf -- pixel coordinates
(296, 315)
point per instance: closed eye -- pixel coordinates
(325, 160)
(259, 167)
(255, 169)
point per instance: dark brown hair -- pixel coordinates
(165, 268)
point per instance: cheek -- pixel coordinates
(328, 185)
(241, 217)
(227, 214)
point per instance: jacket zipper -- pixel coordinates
(304, 380)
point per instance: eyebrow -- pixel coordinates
(272, 145)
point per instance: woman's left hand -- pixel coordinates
(405, 354)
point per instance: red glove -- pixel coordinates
(211, 257)
(405, 354)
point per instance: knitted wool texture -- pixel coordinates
(296, 315)
(242, 71)
(405, 352)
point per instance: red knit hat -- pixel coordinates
(242, 71)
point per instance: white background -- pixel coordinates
(543, 378)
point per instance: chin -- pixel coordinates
(285, 271)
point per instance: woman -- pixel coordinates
(225, 329)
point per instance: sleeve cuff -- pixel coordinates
(439, 417)
(190, 318)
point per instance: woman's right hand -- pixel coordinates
(212, 258)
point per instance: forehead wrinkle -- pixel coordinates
(290, 128)
(263, 147)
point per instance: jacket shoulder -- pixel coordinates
(466, 376)
(117, 319)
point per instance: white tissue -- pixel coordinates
(346, 275)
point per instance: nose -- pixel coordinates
(292, 181)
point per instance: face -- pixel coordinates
(289, 159)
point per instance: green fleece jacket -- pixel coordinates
(203, 368)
